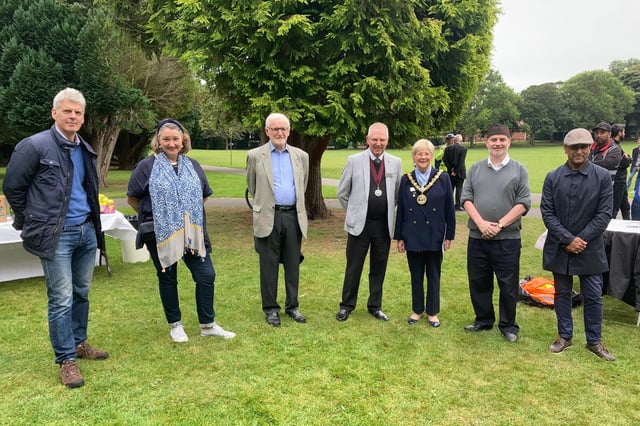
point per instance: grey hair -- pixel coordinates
(69, 94)
(376, 125)
(274, 116)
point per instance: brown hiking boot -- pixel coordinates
(85, 350)
(70, 374)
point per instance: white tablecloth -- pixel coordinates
(16, 263)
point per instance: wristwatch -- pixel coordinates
(500, 225)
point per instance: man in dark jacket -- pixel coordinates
(51, 184)
(576, 208)
(608, 154)
(454, 158)
(620, 196)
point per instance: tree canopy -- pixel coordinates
(334, 67)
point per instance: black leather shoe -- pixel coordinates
(273, 319)
(510, 337)
(379, 315)
(477, 327)
(342, 315)
(296, 315)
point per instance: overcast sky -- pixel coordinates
(542, 41)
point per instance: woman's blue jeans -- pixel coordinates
(68, 278)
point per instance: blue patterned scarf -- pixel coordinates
(176, 201)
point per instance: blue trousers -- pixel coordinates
(591, 291)
(68, 278)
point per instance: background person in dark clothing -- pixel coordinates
(620, 190)
(608, 154)
(454, 158)
(576, 209)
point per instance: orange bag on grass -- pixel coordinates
(541, 291)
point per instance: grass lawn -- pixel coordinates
(359, 372)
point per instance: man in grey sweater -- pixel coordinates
(496, 195)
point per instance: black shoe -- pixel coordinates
(477, 327)
(379, 315)
(510, 337)
(296, 315)
(273, 319)
(342, 315)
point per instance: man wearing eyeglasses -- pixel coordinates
(277, 176)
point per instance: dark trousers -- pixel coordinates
(620, 200)
(456, 185)
(484, 259)
(281, 246)
(375, 235)
(591, 291)
(421, 263)
(203, 275)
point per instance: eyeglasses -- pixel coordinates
(278, 129)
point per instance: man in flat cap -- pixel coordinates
(576, 209)
(496, 195)
(606, 153)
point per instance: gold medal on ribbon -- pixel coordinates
(422, 199)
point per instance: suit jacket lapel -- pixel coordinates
(266, 163)
(366, 170)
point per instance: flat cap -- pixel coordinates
(578, 137)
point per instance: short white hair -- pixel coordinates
(274, 116)
(69, 94)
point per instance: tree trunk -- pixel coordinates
(102, 138)
(315, 146)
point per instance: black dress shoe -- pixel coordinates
(477, 327)
(342, 315)
(510, 337)
(412, 321)
(379, 315)
(273, 319)
(296, 315)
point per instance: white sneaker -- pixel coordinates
(177, 332)
(214, 329)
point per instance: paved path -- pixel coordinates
(331, 203)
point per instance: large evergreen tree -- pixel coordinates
(334, 67)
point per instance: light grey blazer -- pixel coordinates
(260, 184)
(353, 189)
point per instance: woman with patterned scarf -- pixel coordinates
(168, 190)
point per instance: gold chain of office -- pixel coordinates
(422, 198)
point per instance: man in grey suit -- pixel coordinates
(277, 176)
(368, 192)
